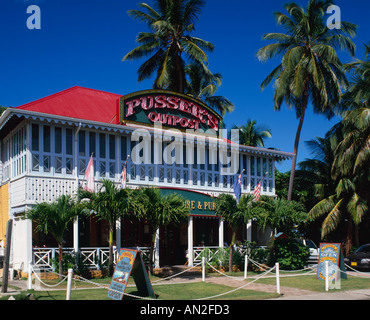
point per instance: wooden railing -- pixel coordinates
(93, 258)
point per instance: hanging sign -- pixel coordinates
(331, 252)
(200, 204)
(129, 263)
(169, 108)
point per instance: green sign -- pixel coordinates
(129, 263)
(200, 204)
(171, 109)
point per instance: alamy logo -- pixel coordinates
(334, 21)
(34, 20)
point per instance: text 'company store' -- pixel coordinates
(172, 141)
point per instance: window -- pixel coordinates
(69, 141)
(92, 144)
(58, 140)
(112, 147)
(82, 143)
(123, 148)
(46, 138)
(102, 145)
(35, 137)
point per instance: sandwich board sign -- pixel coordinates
(331, 252)
(129, 263)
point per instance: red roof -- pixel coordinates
(81, 103)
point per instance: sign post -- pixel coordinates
(129, 263)
(333, 255)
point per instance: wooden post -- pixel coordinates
(4, 287)
(245, 266)
(203, 269)
(69, 284)
(277, 278)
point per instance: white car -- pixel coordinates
(314, 250)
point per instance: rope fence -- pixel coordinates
(267, 273)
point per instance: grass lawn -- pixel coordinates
(310, 282)
(195, 290)
(188, 291)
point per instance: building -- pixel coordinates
(174, 141)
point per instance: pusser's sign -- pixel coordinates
(171, 109)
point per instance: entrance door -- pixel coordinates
(173, 245)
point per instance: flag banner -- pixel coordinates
(257, 191)
(124, 174)
(90, 176)
(238, 187)
(123, 177)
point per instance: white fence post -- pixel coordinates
(203, 269)
(245, 266)
(30, 275)
(69, 284)
(277, 278)
(326, 275)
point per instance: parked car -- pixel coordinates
(360, 259)
(314, 250)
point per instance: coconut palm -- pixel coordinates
(110, 204)
(310, 70)
(351, 173)
(235, 214)
(159, 210)
(203, 85)
(169, 44)
(251, 134)
(55, 218)
(281, 215)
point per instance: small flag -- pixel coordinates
(257, 191)
(90, 176)
(124, 174)
(123, 177)
(238, 187)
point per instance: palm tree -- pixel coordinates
(235, 214)
(281, 215)
(55, 218)
(350, 170)
(310, 70)
(159, 210)
(203, 85)
(252, 135)
(110, 204)
(171, 23)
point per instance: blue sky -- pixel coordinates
(82, 43)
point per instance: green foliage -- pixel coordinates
(171, 24)
(289, 253)
(282, 215)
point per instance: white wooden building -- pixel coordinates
(46, 146)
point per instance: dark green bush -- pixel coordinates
(289, 253)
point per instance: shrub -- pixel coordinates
(289, 253)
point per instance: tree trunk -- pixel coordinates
(232, 251)
(295, 151)
(110, 251)
(60, 246)
(150, 269)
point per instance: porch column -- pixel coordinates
(221, 232)
(190, 242)
(75, 235)
(156, 253)
(249, 231)
(118, 235)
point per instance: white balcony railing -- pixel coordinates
(93, 258)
